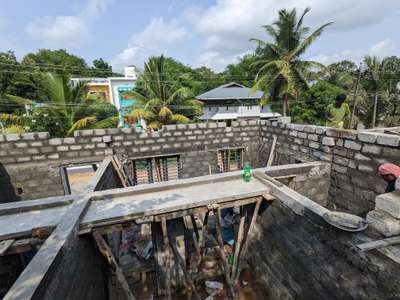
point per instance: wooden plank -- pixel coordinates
(246, 241)
(4, 245)
(231, 290)
(189, 226)
(106, 252)
(202, 239)
(120, 171)
(238, 244)
(182, 264)
(23, 245)
(167, 257)
(272, 152)
(378, 244)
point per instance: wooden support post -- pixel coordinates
(189, 226)
(272, 152)
(157, 170)
(167, 257)
(4, 245)
(106, 252)
(120, 171)
(238, 244)
(182, 264)
(246, 241)
(217, 213)
(378, 244)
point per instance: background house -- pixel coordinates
(234, 101)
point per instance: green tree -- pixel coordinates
(311, 108)
(68, 110)
(102, 68)
(56, 61)
(374, 101)
(244, 71)
(281, 70)
(342, 74)
(162, 100)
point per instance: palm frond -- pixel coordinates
(106, 123)
(178, 118)
(164, 112)
(154, 125)
(309, 40)
(20, 100)
(81, 124)
(11, 118)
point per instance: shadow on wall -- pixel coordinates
(8, 193)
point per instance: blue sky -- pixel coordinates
(207, 32)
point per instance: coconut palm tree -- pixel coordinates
(69, 108)
(162, 101)
(281, 71)
(375, 100)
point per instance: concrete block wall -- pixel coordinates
(297, 257)
(30, 163)
(354, 157)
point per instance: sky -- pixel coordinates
(212, 33)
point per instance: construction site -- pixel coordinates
(124, 214)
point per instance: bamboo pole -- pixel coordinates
(167, 257)
(217, 213)
(238, 244)
(107, 253)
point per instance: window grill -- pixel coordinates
(230, 159)
(155, 169)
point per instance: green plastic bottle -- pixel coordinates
(246, 173)
(231, 259)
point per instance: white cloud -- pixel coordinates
(383, 48)
(68, 31)
(155, 39)
(221, 32)
(228, 25)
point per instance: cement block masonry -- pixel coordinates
(30, 163)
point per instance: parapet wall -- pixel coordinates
(30, 163)
(354, 157)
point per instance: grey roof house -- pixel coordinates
(234, 101)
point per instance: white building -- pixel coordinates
(234, 101)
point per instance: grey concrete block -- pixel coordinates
(21, 145)
(320, 129)
(55, 141)
(62, 148)
(13, 137)
(348, 134)
(372, 149)
(53, 156)
(314, 145)
(302, 135)
(359, 156)
(352, 145)
(309, 128)
(313, 137)
(36, 144)
(28, 136)
(389, 203)
(383, 223)
(368, 137)
(388, 140)
(366, 168)
(328, 141)
(99, 131)
(43, 135)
